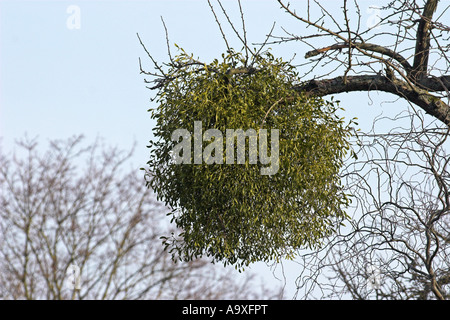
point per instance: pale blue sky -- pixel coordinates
(56, 82)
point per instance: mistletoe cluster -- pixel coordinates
(231, 212)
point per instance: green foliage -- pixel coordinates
(232, 213)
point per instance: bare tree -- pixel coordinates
(398, 243)
(77, 213)
(404, 54)
(396, 246)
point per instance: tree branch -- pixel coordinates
(423, 40)
(365, 46)
(431, 104)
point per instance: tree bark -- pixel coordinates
(420, 64)
(431, 104)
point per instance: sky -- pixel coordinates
(71, 67)
(56, 81)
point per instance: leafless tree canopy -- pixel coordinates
(397, 246)
(404, 54)
(81, 206)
